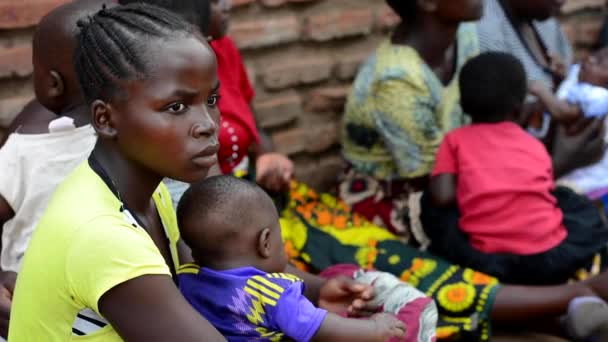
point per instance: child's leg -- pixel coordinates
(449, 242)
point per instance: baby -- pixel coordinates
(583, 93)
(233, 229)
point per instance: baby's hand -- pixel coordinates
(388, 327)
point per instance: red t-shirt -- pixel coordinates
(505, 179)
(238, 129)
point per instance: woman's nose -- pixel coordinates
(204, 127)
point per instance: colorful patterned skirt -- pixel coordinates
(320, 231)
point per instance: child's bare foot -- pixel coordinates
(388, 327)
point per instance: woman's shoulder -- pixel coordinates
(397, 62)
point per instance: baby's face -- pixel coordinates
(594, 69)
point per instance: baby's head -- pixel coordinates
(55, 81)
(229, 223)
(492, 87)
(594, 69)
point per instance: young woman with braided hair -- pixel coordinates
(108, 239)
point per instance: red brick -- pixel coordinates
(339, 23)
(16, 61)
(273, 3)
(294, 72)
(588, 30)
(237, 3)
(290, 141)
(577, 5)
(9, 108)
(255, 33)
(278, 110)
(386, 18)
(322, 137)
(347, 67)
(19, 14)
(327, 99)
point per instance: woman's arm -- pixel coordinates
(560, 110)
(570, 152)
(443, 190)
(150, 308)
(338, 295)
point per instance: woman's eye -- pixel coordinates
(212, 100)
(177, 107)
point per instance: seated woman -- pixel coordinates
(115, 250)
(404, 100)
(320, 231)
(529, 30)
(513, 223)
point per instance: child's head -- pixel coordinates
(55, 81)
(493, 87)
(229, 222)
(220, 18)
(594, 69)
(447, 10)
(151, 83)
(196, 12)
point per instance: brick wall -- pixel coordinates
(301, 54)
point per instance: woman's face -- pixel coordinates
(219, 19)
(537, 9)
(459, 10)
(168, 122)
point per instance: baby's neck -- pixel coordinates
(223, 265)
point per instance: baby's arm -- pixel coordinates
(444, 175)
(380, 327)
(560, 110)
(443, 190)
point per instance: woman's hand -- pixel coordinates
(573, 151)
(274, 171)
(7, 287)
(345, 295)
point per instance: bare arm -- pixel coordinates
(560, 110)
(150, 308)
(443, 190)
(379, 328)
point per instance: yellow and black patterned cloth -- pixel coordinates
(320, 231)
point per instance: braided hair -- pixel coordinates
(112, 46)
(196, 12)
(406, 9)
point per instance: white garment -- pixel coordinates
(593, 101)
(32, 166)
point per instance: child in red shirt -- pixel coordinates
(509, 222)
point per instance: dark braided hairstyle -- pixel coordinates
(196, 12)
(112, 46)
(406, 9)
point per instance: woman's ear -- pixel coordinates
(102, 119)
(264, 243)
(57, 85)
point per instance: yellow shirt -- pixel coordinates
(84, 245)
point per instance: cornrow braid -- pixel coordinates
(196, 12)
(112, 45)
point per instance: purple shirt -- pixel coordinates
(246, 304)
